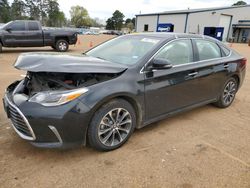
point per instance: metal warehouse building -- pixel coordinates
(224, 23)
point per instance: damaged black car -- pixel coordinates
(100, 97)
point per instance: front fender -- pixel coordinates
(100, 94)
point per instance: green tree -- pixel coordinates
(129, 23)
(110, 24)
(239, 3)
(4, 11)
(80, 16)
(96, 22)
(128, 20)
(36, 9)
(56, 18)
(133, 20)
(116, 21)
(18, 10)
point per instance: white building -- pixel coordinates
(224, 23)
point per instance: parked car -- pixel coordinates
(28, 33)
(100, 97)
(111, 32)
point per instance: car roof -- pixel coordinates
(171, 35)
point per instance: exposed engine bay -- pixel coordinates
(35, 82)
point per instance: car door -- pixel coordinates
(183, 85)
(210, 53)
(15, 36)
(34, 34)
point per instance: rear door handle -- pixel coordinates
(193, 74)
(226, 66)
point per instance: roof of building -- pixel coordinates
(188, 11)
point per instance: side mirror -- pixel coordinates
(161, 64)
(8, 29)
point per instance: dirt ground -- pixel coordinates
(206, 147)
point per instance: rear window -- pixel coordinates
(33, 26)
(207, 50)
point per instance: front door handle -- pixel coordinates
(226, 66)
(193, 74)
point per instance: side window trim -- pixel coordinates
(195, 50)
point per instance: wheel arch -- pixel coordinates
(137, 107)
(237, 78)
(129, 98)
(61, 38)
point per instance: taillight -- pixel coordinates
(243, 62)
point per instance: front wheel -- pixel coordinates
(112, 125)
(62, 45)
(228, 93)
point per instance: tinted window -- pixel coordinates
(33, 26)
(207, 50)
(18, 26)
(177, 53)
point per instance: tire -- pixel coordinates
(62, 45)
(105, 134)
(1, 47)
(228, 93)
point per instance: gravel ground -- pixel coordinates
(206, 147)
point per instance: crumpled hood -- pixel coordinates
(54, 62)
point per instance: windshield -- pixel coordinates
(124, 50)
(3, 25)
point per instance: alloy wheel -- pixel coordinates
(114, 127)
(229, 92)
(62, 46)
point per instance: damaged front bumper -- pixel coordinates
(49, 127)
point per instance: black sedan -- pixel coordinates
(100, 97)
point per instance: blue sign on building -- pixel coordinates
(165, 27)
(216, 32)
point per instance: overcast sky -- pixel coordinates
(104, 8)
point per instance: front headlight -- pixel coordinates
(55, 98)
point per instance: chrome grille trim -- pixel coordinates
(55, 131)
(20, 121)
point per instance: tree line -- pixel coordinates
(46, 11)
(116, 22)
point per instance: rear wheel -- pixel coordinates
(62, 45)
(112, 125)
(228, 94)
